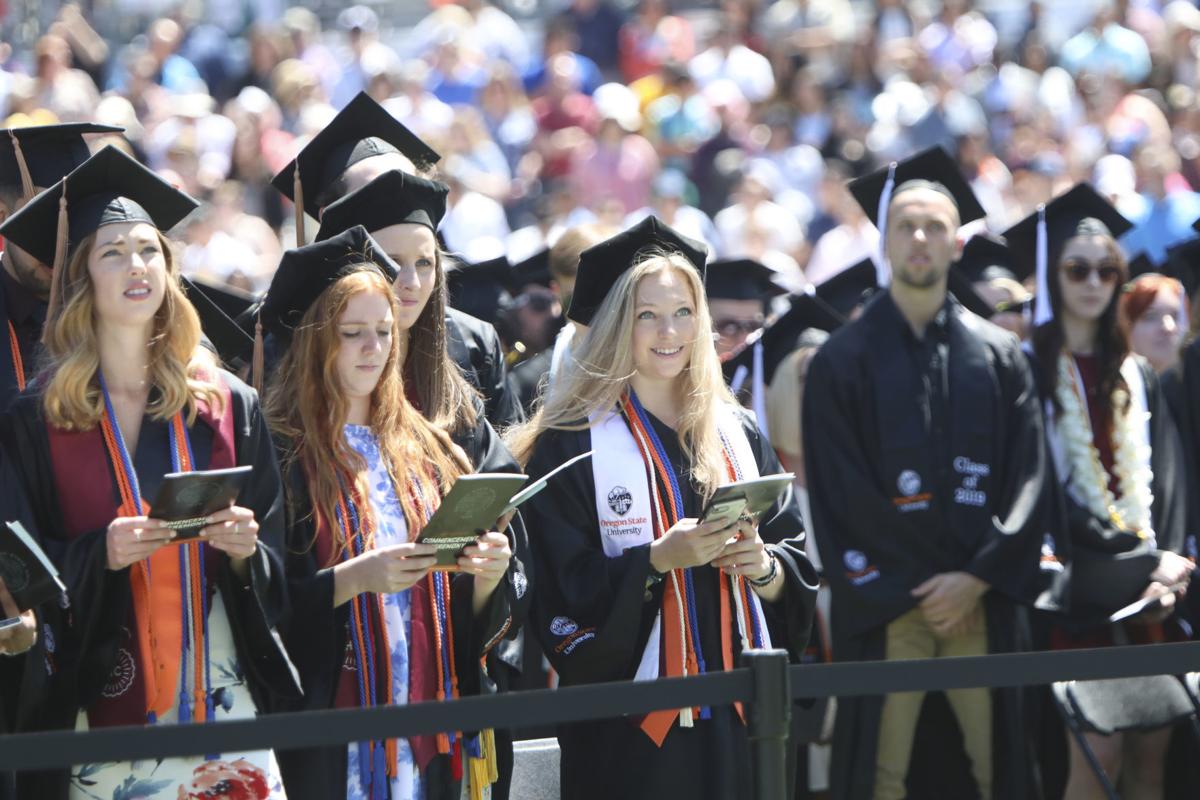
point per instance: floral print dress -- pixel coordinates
(391, 529)
(229, 776)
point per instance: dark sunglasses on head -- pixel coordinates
(732, 327)
(1078, 271)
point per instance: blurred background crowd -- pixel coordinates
(736, 121)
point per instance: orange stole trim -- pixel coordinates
(18, 363)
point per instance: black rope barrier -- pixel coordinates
(595, 701)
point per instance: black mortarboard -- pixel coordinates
(305, 272)
(602, 264)
(479, 289)
(359, 131)
(50, 152)
(219, 307)
(535, 269)
(1183, 264)
(740, 279)
(782, 335)
(1140, 265)
(985, 257)
(1063, 216)
(394, 198)
(932, 168)
(108, 188)
(850, 288)
(964, 292)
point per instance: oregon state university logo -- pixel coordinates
(909, 483)
(619, 500)
(563, 626)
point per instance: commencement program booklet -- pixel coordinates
(472, 506)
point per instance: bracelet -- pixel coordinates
(761, 582)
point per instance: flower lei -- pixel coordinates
(1131, 455)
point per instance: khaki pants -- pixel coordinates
(909, 637)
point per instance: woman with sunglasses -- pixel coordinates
(1116, 454)
(161, 629)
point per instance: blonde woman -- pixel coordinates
(160, 631)
(632, 585)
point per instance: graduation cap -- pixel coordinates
(361, 130)
(305, 272)
(740, 279)
(985, 257)
(1043, 234)
(219, 307)
(1140, 265)
(964, 292)
(602, 264)
(932, 168)
(850, 288)
(479, 289)
(782, 335)
(1183, 264)
(394, 198)
(41, 155)
(535, 269)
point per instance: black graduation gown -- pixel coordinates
(527, 377)
(606, 598)
(316, 635)
(901, 489)
(1094, 540)
(475, 347)
(100, 599)
(1181, 388)
(27, 314)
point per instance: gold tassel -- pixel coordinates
(484, 771)
(26, 179)
(489, 755)
(256, 361)
(298, 201)
(58, 278)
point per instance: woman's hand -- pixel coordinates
(234, 531)
(1172, 569)
(131, 539)
(1157, 589)
(746, 555)
(689, 543)
(487, 560)
(383, 571)
(24, 636)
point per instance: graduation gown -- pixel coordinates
(1094, 540)
(475, 347)
(906, 481)
(26, 314)
(593, 615)
(316, 636)
(1181, 389)
(101, 599)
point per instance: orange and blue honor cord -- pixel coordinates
(378, 760)
(198, 703)
(750, 620)
(636, 416)
(14, 345)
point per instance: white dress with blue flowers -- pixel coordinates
(391, 528)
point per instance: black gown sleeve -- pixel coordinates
(1024, 496)
(782, 528)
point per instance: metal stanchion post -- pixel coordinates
(770, 719)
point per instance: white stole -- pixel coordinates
(623, 487)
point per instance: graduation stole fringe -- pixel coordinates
(482, 768)
(170, 591)
(18, 363)
(679, 603)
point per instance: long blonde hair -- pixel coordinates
(181, 370)
(601, 368)
(306, 407)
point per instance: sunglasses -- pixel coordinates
(732, 327)
(1078, 272)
